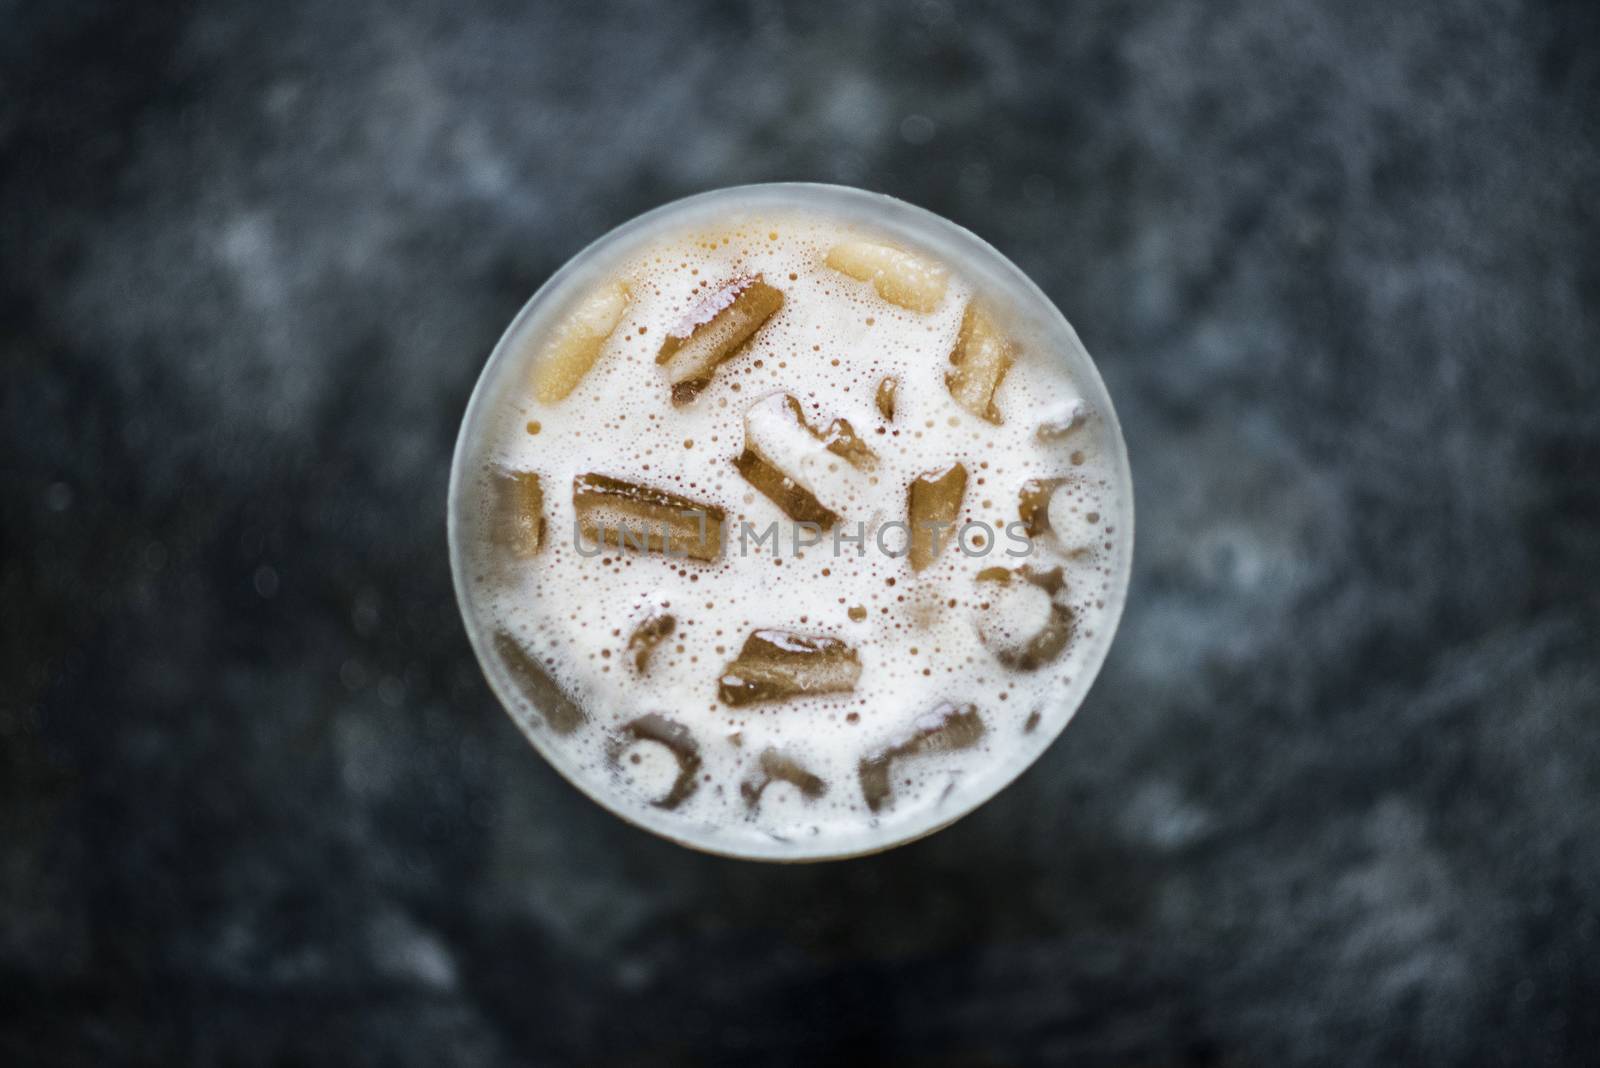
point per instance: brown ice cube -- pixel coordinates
(934, 498)
(654, 727)
(654, 629)
(910, 281)
(778, 664)
(946, 728)
(775, 766)
(1033, 504)
(576, 341)
(842, 440)
(793, 499)
(982, 357)
(1062, 421)
(536, 686)
(782, 458)
(516, 520)
(1052, 637)
(713, 331)
(771, 443)
(611, 511)
(885, 398)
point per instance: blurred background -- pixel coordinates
(1333, 800)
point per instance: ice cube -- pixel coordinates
(575, 343)
(775, 766)
(713, 331)
(775, 665)
(793, 499)
(841, 439)
(1074, 525)
(1047, 510)
(1062, 420)
(516, 519)
(982, 357)
(1051, 638)
(1033, 504)
(654, 727)
(946, 728)
(611, 511)
(536, 686)
(899, 277)
(798, 467)
(655, 628)
(885, 397)
(933, 503)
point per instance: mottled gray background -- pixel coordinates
(1334, 800)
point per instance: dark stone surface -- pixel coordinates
(1334, 799)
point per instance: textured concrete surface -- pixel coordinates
(1334, 799)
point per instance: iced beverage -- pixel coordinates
(790, 522)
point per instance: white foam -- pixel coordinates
(829, 346)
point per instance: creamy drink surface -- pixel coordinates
(960, 672)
